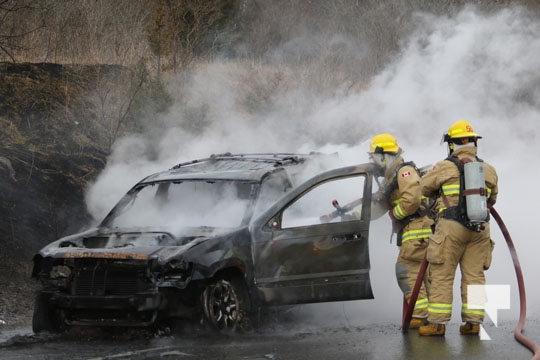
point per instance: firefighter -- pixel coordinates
(400, 196)
(456, 239)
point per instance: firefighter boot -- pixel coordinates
(432, 329)
(416, 323)
(469, 329)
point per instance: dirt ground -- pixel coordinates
(17, 292)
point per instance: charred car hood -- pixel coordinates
(136, 244)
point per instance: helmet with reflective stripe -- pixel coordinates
(460, 130)
(384, 143)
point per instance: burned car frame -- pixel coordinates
(215, 239)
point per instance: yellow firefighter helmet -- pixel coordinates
(459, 130)
(384, 143)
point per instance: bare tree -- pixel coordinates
(12, 30)
(116, 91)
(159, 34)
(187, 29)
(97, 31)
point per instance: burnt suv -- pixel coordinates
(214, 239)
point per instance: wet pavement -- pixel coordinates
(291, 339)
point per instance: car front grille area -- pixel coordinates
(104, 277)
(109, 317)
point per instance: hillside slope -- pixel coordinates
(52, 145)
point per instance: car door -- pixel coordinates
(304, 253)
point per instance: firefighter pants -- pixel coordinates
(451, 245)
(411, 254)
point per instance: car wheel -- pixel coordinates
(46, 317)
(226, 305)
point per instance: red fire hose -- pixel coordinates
(518, 332)
(408, 310)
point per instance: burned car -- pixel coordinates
(214, 239)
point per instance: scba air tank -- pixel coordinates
(475, 191)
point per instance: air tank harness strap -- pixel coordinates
(458, 212)
(399, 225)
(481, 191)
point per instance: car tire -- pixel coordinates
(226, 305)
(46, 317)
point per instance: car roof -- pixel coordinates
(227, 166)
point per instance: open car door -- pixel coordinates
(312, 245)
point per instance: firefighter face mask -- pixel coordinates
(454, 146)
(379, 159)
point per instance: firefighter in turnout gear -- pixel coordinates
(459, 239)
(400, 196)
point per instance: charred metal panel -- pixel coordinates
(105, 255)
(109, 281)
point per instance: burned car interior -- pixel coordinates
(214, 239)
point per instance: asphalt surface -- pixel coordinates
(291, 337)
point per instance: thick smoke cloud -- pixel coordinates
(476, 66)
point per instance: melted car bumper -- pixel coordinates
(132, 310)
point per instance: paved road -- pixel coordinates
(293, 337)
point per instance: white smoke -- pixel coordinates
(480, 67)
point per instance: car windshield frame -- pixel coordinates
(150, 204)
